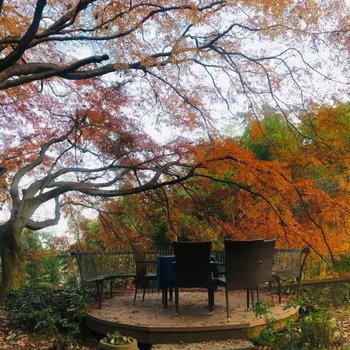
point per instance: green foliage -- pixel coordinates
(31, 241)
(116, 338)
(261, 309)
(269, 136)
(44, 265)
(45, 310)
(44, 272)
(314, 330)
(343, 263)
(159, 235)
(334, 295)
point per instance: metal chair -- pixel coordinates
(193, 269)
(145, 269)
(288, 263)
(242, 260)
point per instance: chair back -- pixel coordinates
(289, 262)
(242, 260)
(140, 257)
(266, 256)
(192, 261)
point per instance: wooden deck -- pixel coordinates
(150, 323)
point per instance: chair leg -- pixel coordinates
(165, 297)
(111, 288)
(272, 299)
(227, 305)
(279, 291)
(176, 300)
(136, 285)
(144, 291)
(99, 287)
(211, 300)
(298, 287)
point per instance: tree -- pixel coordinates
(76, 75)
(298, 196)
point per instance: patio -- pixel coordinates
(150, 323)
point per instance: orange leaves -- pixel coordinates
(226, 158)
(256, 130)
(268, 201)
(272, 8)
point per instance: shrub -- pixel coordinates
(314, 330)
(117, 339)
(46, 310)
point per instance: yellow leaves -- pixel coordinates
(256, 130)
(119, 66)
(12, 22)
(272, 8)
(148, 62)
(11, 26)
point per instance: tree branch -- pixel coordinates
(15, 55)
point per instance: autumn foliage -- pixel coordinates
(299, 195)
(82, 80)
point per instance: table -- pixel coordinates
(166, 276)
(166, 273)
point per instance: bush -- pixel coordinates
(314, 330)
(46, 310)
(329, 296)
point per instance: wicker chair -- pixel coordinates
(242, 260)
(265, 268)
(193, 269)
(145, 269)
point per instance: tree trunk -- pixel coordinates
(10, 262)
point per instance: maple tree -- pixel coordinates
(298, 195)
(76, 78)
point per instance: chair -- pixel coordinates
(144, 271)
(265, 268)
(193, 269)
(242, 260)
(288, 263)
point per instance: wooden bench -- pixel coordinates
(99, 267)
(288, 264)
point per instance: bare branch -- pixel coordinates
(27, 38)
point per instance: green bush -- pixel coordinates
(46, 310)
(328, 296)
(314, 330)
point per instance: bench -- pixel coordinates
(99, 267)
(288, 264)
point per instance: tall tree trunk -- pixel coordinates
(10, 251)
